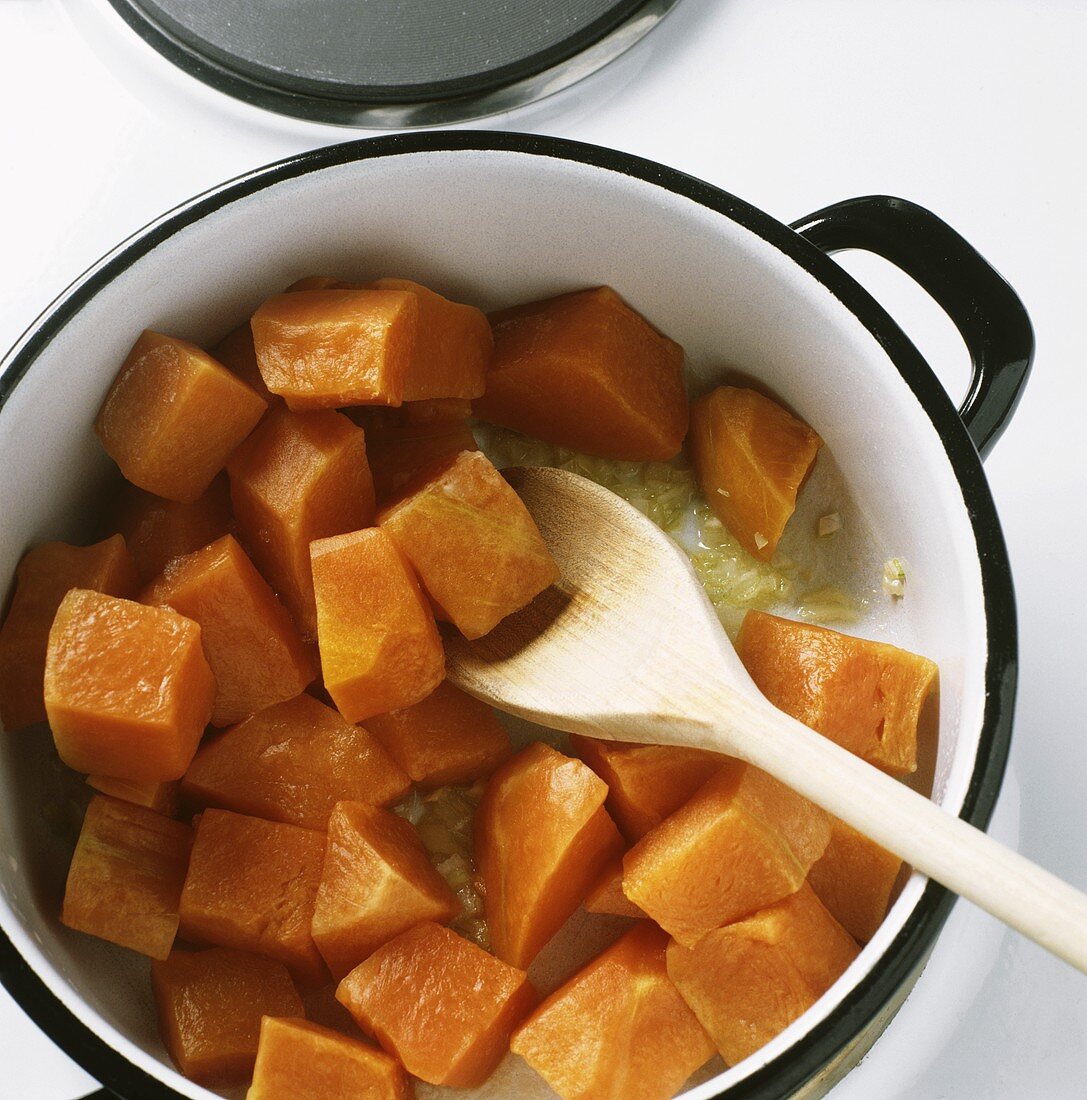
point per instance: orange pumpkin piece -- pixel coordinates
(249, 639)
(293, 762)
(157, 530)
(443, 1006)
(452, 346)
(586, 371)
(542, 840)
(127, 689)
(447, 738)
(251, 886)
(298, 1060)
(646, 783)
(854, 879)
(607, 895)
(377, 882)
(124, 882)
(748, 981)
(236, 352)
(472, 541)
(173, 416)
(744, 841)
(320, 349)
(751, 457)
(618, 1029)
(399, 450)
(299, 477)
(160, 797)
(210, 1005)
(866, 696)
(379, 644)
(42, 579)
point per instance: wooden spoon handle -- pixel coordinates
(942, 846)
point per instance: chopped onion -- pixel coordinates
(894, 578)
(828, 524)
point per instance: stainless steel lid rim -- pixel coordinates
(804, 1059)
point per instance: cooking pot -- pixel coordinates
(500, 218)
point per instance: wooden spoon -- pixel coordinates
(628, 647)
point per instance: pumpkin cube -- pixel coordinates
(472, 541)
(748, 981)
(440, 1004)
(124, 882)
(127, 689)
(298, 1060)
(157, 530)
(377, 882)
(299, 477)
(646, 783)
(751, 457)
(160, 797)
(543, 838)
(251, 886)
(210, 1005)
(173, 416)
(854, 879)
(42, 579)
(743, 842)
(865, 696)
(320, 349)
(293, 762)
(446, 738)
(586, 371)
(452, 346)
(249, 638)
(379, 643)
(236, 352)
(636, 1039)
(607, 895)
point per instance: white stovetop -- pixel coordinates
(974, 108)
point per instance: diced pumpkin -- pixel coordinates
(299, 477)
(379, 644)
(447, 738)
(251, 886)
(748, 981)
(607, 895)
(751, 457)
(646, 783)
(160, 797)
(542, 840)
(440, 1004)
(173, 416)
(618, 1029)
(866, 696)
(127, 689)
(236, 352)
(42, 579)
(452, 347)
(586, 371)
(321, 349)
(210, 1005)
(293, 762)
(248, 636)
(157, 530)
(377, 882)
(854, 879)
(743, 842)
(299, 1060)
(124, 882)
(472, 541)
(398, 451)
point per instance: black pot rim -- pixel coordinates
(907, 952)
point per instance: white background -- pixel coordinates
(974, 108)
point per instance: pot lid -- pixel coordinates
(390, 62)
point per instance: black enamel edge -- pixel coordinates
(312, 99)
(809, 1054)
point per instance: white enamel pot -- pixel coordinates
(500, 218)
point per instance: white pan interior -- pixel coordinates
(491, 228)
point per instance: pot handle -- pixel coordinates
(983, 307)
